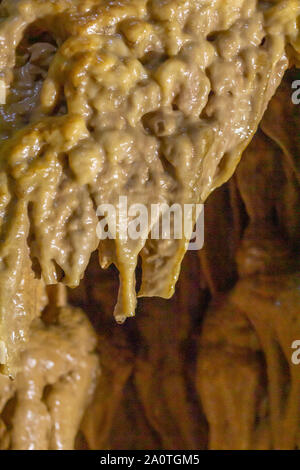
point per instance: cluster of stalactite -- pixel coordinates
(212, 368)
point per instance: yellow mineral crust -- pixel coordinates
(153, 100)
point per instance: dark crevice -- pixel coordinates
(59, 272)
(152, 59)
(31, 241)
(214, 35)
(46, 393)
(34, 55)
